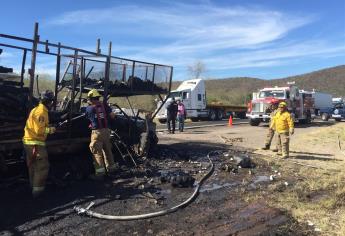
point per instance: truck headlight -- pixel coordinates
(336, 111)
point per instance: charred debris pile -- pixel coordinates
(134, 85)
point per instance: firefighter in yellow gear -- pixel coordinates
(284, 126)
(271, 128)
(99, 113)
(35, 134)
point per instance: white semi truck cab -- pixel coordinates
(193, 95)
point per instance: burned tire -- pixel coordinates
(254, 122)
(324, 116)
(212, 115)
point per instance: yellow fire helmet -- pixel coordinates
(282, 104)
(93, 94)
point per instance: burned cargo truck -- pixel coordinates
(77, 71)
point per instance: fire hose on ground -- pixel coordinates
(88, 212)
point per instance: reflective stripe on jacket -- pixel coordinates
(36, 128)
(283, 122)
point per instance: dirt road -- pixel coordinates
(273, 197)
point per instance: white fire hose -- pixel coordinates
(88, 212)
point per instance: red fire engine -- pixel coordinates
(300, 104)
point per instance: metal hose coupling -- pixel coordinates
(81, 210)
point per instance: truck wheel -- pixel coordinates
(254, 122)
(212, 115)
(324, 117)
(308, 121)
(194, 119)
(220, 115)
(241, 115)
(338, 119)
(162, 121)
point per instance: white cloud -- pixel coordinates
(222, 37)
(188, 27)
(6, 55)
(275, 56)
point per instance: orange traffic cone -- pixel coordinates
(230, 121)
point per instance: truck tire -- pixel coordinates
(304, 121)
(241, 115)
(194, 119)
(220, 115)
(338, 119)
(254, 122)
(324, 116)
(162, 121)
(309, 120)
(212, 115)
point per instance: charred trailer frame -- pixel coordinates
(137, 78)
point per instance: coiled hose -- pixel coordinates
(88, 212)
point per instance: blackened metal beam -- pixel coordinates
(82, 77)
(107, 73)
(27, 49)
(22, 72)
(98, 46)
(33, 64)
(170, 79)
(74, 78)
(57, 75)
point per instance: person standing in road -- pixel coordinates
(284, 126)
(271, 128)
(171, 115)
(181, 115)
(98, 113)
(35, 134)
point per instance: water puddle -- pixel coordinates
(258, 180)
(208, 188)
(164, 192)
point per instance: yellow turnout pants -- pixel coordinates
(269, 137)
(38, 166)
(100, 147)
(283, 144)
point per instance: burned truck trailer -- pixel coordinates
(77, 71)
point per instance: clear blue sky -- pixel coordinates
(264, 39)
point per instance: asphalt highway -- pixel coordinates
(201, 124)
